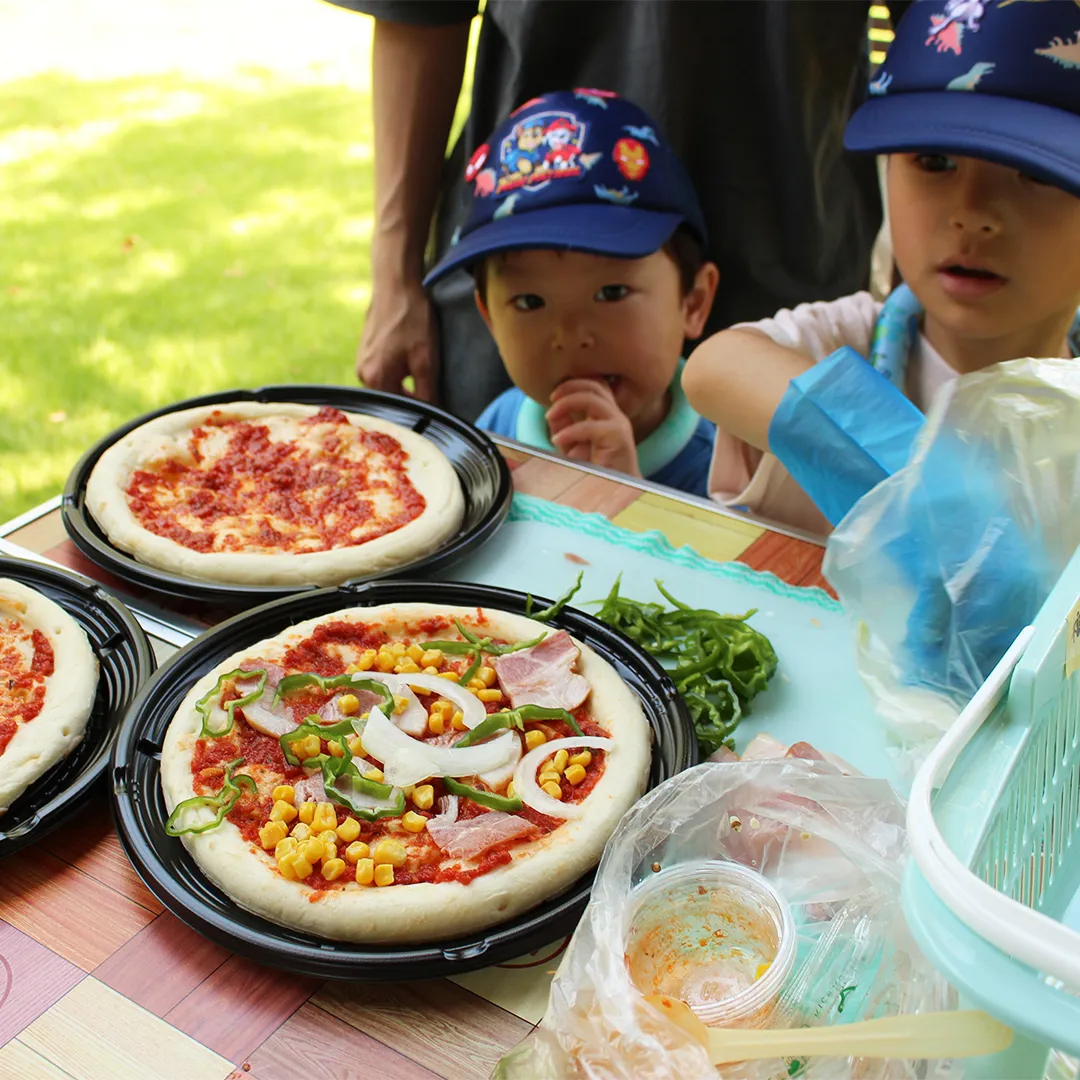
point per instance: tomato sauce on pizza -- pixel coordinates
(26, 661)
(289, 753)
(240, 485)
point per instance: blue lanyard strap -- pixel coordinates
(895, 334)
(897, 330)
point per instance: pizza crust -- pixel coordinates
(421, 912)
(69, 692)
(428, 468)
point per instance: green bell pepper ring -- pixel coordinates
(204, 706)
(515, 718)
(311, 726)
(538, 712)
(471, 670)
(335, 769)
(291, 683)
(221, 804)
(476, 647)
(482, 798)
(498, 721)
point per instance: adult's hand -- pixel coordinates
(400, 338)
(416, 77)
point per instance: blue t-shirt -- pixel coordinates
(677, 454)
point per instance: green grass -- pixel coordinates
(185, 206)
(164, 238)
(197, 226)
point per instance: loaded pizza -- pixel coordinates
(403, 773)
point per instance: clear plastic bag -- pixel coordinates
(948, 559)
(833, 846)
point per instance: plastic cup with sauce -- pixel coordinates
(715, 934)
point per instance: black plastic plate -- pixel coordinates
(173, 876)
(126, 660)
(484, 476)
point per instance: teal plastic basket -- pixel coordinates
(992, 893)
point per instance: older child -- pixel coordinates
(587, 242)
(981, 121)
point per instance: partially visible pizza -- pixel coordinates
(274, 494)
(403, 773)
(48, 679)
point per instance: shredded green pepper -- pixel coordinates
(515, 718)
(205, 705)
(719, 663)
(476, 647)
(481, 797)
(220, 804)
(312, 725)
(549, 613)
(291, 683)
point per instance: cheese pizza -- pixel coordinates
(403, 773)
(48, 679)
(274, 494)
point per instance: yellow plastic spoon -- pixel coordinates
(966, 1033)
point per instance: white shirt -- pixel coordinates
(743, 476)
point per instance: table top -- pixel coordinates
(99, 982)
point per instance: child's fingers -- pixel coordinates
(595, 387)
(579, 452)
(588, 431)
(581, 406)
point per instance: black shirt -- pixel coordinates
(752, 94)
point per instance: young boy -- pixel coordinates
(981, 121)
(586, 242)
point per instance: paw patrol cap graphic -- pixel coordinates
(993, 79)
(580, 170)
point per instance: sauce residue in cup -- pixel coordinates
(708, 939)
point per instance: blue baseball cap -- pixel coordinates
(581, 170)
(993, 79)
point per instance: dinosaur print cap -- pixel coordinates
(993, 79)
(581, 170)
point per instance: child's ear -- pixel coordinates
(482, 308)
(698, 302)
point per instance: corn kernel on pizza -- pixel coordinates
(403, 773)
(48, 679)
(274, 494)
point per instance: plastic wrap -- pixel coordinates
(833, 846)
(944, 562)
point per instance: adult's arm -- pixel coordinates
(418, 60)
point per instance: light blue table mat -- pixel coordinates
(815, 695)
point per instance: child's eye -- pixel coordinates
(608, 294)
(527, 302)
(935, 163)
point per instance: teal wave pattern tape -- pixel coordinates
(656, 544)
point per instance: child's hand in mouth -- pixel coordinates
(586, 424)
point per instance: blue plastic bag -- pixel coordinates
(840, 429)
(948, 559)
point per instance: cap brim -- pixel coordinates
(618, 231)
(1037, 139)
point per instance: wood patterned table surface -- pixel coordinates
(99, 982)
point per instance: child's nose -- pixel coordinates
(573, 334)
(976, 209)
